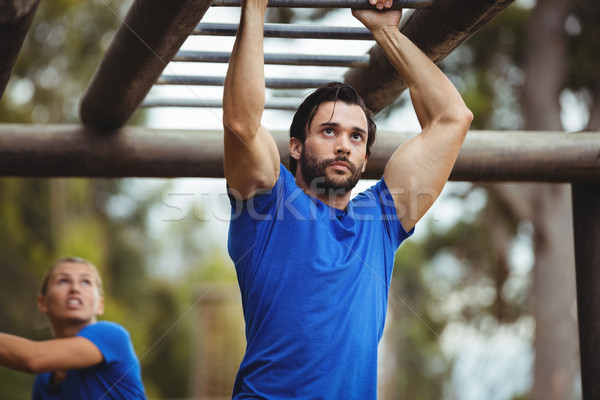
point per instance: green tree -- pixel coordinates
(516, 72)
(43, 219)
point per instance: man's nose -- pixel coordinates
(343, 145)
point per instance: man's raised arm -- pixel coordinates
(251, 158)
(418, 170)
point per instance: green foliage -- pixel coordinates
(421, 368)
(169, 346)
(583, 41)
(15, 385)
(63, 47)
(25, 241)
(70, 217)
(486, 70)
(43, 219)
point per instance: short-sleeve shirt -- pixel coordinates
(118, 377)
(314, 282)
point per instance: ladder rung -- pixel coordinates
(272, 104)
(290, 31)
(272, 83)
(280, 59)
(396, 4)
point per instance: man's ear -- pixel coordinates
(41, 304)
(295, 148)
(365, 164)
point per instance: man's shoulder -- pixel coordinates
(376, 191)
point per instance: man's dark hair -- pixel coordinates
(332, 91)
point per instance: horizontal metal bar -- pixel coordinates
(272, 83)
(396, 4)
(270, 104)
(280, 59)
(69, 150)
(289, 31)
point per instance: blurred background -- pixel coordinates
(482, 303)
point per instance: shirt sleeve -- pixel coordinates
(110, 338)
(263, 204)
(381, 194)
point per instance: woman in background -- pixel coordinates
(88, 359)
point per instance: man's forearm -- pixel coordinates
(433, 96)
(244, 91)
(251, 159)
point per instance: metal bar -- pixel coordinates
(437, 31)
(15, 19)
(290, 31)
(321, 60)
(272, 104)
(396, 4)
(498, 156)
(54, 150)
(271, 83)
(586, 226)
(152, 33)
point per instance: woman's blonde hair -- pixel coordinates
(70, 259)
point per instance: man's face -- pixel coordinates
(333, 156)
(72, 294)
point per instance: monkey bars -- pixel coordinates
(133, 63)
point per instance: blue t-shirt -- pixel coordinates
(118, 377)
(314, 282)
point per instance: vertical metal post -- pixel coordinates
(586, 220)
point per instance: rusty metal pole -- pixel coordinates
(152, 33)
(15, 19)
(437, 31)
(67, 150)
(586, 227)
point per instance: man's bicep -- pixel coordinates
(251, 163)
(416, 175)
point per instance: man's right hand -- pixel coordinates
(262, 4)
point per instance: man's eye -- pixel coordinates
(357, 136)
(328, 131)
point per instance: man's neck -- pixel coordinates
(335, 198)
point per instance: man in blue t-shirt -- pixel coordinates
(88, 359)
(313, 265)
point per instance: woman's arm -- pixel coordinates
(49, 355)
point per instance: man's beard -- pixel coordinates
(313, 172)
